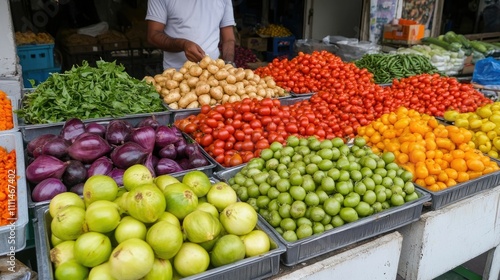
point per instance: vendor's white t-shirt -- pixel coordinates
(196, 20)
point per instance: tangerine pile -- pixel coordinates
(437, 155)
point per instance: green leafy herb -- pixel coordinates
(87, 92)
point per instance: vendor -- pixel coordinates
(191, 29)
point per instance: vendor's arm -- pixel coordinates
(158, 38)
(227, 42)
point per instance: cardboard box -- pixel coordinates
(406, 31)
(254, 43)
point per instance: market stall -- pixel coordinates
(308, 166)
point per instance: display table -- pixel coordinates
(376, 258)
(444, 239)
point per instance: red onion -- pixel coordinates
(78, 188)
(168, 151)
(180, 147)
(47, 189)
(72, 128)
(197, 159)
(88, 148)
(100, 166)
(38, 143)
(144, 136)
(74, 174)
(57, 147)
(117, 175)
(165, 135)
(128, 154)
(150, 163)
(167, 166)
(44, 167)
(117, 132)
(149, 121)
(96, 128)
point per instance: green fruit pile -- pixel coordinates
(309, 186)
(151, 227)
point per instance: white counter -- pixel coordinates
(444, 239)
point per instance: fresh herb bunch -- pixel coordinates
(87, 92)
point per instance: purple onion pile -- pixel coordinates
(60, 163)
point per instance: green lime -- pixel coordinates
(333, 173)
(322, 195)
(328, 185)
(348, 214)
(388, 157)
(326, 144)
(317, 213)
(311, 199)
(318, 227)
(298, 209)
(263, 201)
(284, 210)
(292, 141)
(276, 146)
(397, 199)
(337, 221)
(273, 193)
(352, 199)
(297, 192)
(359, 142)
(304, 231)
(331, 206)
(274, 218)
(363, 209)
(303, 221)
(360, 188)
(290, 236)
(284, 198)
(242, 194)
(369, 197)
(337, 142)
(283, 185)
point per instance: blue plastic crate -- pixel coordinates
(282, 44)
(36, 57)
(38, 76)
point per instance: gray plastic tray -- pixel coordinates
(15, 103)
(31, 131)
(13, 235)
(258, 267)
(350, 233)
(302, 94)
(462, 191)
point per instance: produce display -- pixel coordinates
(447, 62)
(236, 132)
(386, 67)
(29, 37)
(242, 56)
(438, 155)
(87, 92)
(61, 163)
(308, 73)
(457, 42)
(8, 184)
(274, 30)
(6, 113)
(309, 186)
(484, 123)
(211, 82)
(152, 227)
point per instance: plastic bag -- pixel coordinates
(487, 72)
(310, 45)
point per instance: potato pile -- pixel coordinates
(211, 82)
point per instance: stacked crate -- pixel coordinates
(37, 61)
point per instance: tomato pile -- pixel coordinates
(346, 99)
(308, 73)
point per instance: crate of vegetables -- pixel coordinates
(14, 202)
(8, 105)
(175, 237)
(88, 93)
(63, 160)
(326, 200)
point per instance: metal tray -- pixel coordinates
(350, 233)
(31, 131)
(463, 190)
(258, 267)
(15, 103)
(13, 235)
(293, 94)
(294, 99)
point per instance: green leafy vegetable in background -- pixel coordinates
(87, 92)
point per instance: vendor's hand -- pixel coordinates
(193, 51)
